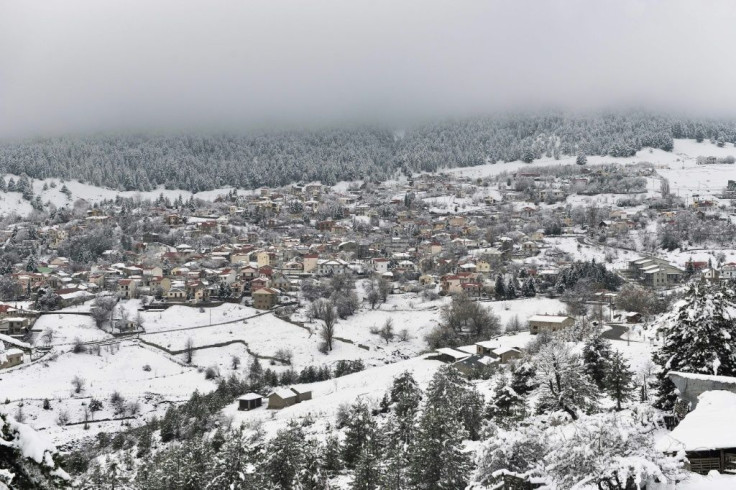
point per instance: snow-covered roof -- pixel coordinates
(470, 349)
(283, 393)
(251, 396)
(503, 350)
(487, 344)
(456, 354)
(10, 340)
(548, 318)
(705, 377)
(651, 268)
(76, 294)
(710, 425)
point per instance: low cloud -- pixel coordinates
(84, 65)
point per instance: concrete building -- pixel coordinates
(549, 323)
(265, 298)
(655, 272)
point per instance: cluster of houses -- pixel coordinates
(258, 247)
(475, 358)
(291, 240)
(277, 399)
(660, 273)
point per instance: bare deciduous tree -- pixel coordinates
(326, 312)
(387, 331)
(189, 351)
(78, 384)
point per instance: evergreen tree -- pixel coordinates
(405, 398)
(145, 440)
(233, 466)
(522, 378)
(529, 290)
(24, 187)
(505, 404)
(597, 354)
(500, 289)
(31, 264)
(395, 464)
(170, 425)
(313, 475)
(471, 409)
(255, 375)
(360, 431)
(332, 463)
(620, 380)
(437, 457)
(197, 458)
(286, 457)
(698, 338)
(367, 475)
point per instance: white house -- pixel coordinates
(380, 265)
(330, 267)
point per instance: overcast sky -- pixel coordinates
(86, 65)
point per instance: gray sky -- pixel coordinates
(85, 65)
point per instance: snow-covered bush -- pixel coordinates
(607, 450)
(27, 458)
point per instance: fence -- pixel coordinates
(210, 346)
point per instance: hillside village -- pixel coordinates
(367, 245)
(310, 285)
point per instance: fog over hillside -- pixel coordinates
(367, 244)
(86, 66)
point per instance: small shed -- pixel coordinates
(249, 401)
(507, 354)
(493, 349)
(12, 357)
(633, 317)
(474, 364)
(707, 434)
(446, 354)
(282, 398)
(302, 395)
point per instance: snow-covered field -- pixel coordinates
(137, 373)
(327, 396)
(585, 252)
(679, 167)
(687, 178)
(66, 329)
(12, 202)
(181, 316)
